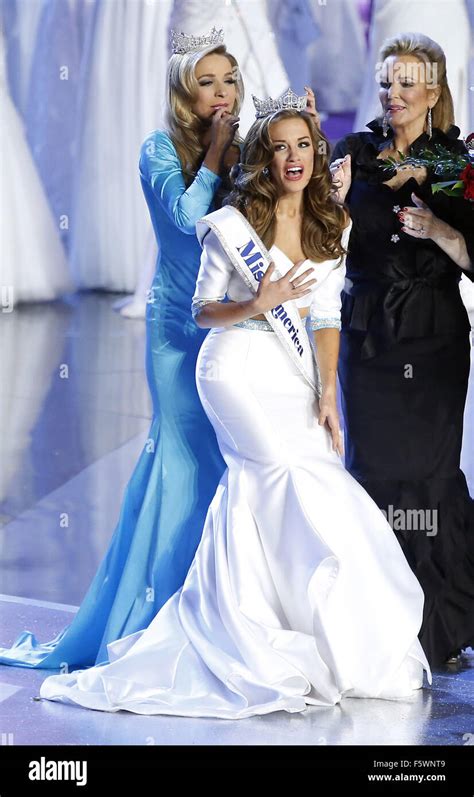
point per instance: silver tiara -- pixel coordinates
(288, 101)
(181, 43)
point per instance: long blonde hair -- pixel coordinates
(256, 196)
(428, 52)
(184, 126)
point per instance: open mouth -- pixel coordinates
(294, 173)
(395, 108)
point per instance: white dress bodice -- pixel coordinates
(217, 279)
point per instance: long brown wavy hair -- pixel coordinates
(256, 195)
(183, 125)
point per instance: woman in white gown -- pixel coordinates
(33, 264)
(299, 593)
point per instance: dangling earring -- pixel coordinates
(385, 125)
(430, 124)
(265, 171)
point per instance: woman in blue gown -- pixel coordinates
(182, 171)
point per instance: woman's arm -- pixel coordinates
(458, 244)
(208, 306)
(160, 168)
(327, 353)
(208, 314)
(325, 309)
(340, 166)
(460, 216)
(325, 321)
(453, 243)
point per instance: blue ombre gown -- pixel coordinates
(174, 481)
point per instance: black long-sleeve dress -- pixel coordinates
(404, 369)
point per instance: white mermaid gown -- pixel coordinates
(299, 593)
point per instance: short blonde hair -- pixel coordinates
(427, 51)
(183, 124)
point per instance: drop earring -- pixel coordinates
(430, 124)
(265, 171)
(385, 125)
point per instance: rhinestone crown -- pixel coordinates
(182, 43)
(288, 101)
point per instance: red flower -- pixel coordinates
(467, 176)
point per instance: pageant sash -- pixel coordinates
(251, 259)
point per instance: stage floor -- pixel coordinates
(438, 715)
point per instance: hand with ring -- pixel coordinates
(271, 293)
(419, 221)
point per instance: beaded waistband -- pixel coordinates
(255, 323)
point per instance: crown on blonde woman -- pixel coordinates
(182, 43)
(288, 101)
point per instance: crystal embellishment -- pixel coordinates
(288, 101)
(255, 323)
(395, 238)
(182, 43)
(323, 323)
(198, 303)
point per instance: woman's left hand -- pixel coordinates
(328, 414)
(311, 105)
(419, 222)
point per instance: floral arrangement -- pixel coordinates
(458, 166)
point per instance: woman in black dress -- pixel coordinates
(404, 360)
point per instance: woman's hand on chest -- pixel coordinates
(404, 173)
